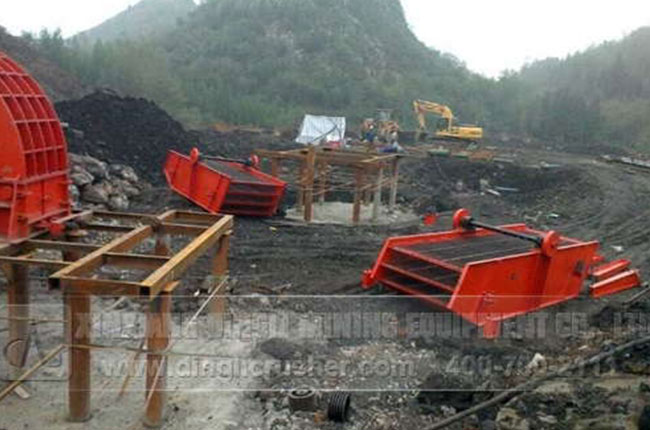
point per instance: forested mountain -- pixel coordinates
(148, 18)
(268, 62)
(276, 59)
(600, 94)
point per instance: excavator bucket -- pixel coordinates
(488, 274)
(224, 186)
(34, 161)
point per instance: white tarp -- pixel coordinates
(317, 128)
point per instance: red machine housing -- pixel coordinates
(34, 161)
(487, 276)
(221, 186)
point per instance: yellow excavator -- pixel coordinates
(447, 128)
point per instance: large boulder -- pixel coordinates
(97, 193)
(124, 172)
(80, 176)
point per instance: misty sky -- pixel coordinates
(488, 35)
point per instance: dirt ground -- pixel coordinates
(298, 318)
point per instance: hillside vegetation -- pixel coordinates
(267, 62)
(52, 75)
(600, 94)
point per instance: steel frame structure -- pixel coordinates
(76, 275)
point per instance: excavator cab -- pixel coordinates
(442, 124)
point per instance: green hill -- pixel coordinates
(275, 59)
(600, 94)
(146, 19)
(267, 62)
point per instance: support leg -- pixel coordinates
(377, 198)
(275, 167)
(393, 185)
(79, 325)
(491, 329)
(158, 334)
(300, 198)
(309, 185)
(356, 211)
(322, 182)
(18, 300)
(219, 271)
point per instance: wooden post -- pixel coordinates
(377, 199)
(18, 301)
(393, 184)
(78, 320)
(358, 189)
(309, 192)
(322, 181)
(275, 167)
(157, 338)
(219, 272)
(162, 246)
(158, 334)
(300, 198)
(74, 236)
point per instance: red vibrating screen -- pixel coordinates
(221, 185)
(487, 274)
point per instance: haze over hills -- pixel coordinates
(267, 62)
(600, 94)
(148, 18)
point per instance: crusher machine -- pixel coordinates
(222, 185)
(33, 161)
(487, 274)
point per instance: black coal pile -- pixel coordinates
(123, 130)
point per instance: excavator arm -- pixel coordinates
(422, 107)
(450, 130)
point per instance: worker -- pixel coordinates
(393, 148)
(371, 134)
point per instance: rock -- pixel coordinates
(96, 193)
(98, 183)
(97, 168)
(546, 419)
(81, 177)
(118, 202)
(122, 186)
(74, 193)
(508, 419)
(124, 172)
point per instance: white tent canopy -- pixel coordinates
(317, 128)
